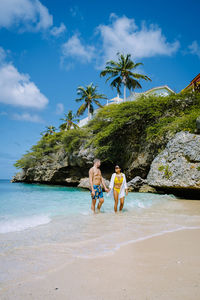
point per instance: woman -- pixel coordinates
(118, 187)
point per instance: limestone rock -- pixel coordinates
(147, 189)
(178, 166)
(85, 184)
(59, 168)
(136, 183)
(18, 177)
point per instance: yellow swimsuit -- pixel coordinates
(118, 181)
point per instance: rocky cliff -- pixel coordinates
(63, 168)
(130, 134)
(177, 168)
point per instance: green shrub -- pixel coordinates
(120, 130)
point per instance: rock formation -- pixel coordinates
(178, 166)
(62, 169)
(136, 183)
(85, 184)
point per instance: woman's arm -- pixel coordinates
(125, 185)
(111, 181)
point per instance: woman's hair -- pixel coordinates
(117, 167)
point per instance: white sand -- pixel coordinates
(165, 267)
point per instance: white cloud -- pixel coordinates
(123, 35)
(56, 31)
(27, 117)
(194, 48)
(32, 14)
(59, 109)
(17, 89)
(76, 49)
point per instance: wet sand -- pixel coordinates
(165, 267)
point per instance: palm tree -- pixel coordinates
(49, 130)
(89, 95)
(69, 120)
(122, 72)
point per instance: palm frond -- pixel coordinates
(116, 83)
(97, 103)
(133, 84)
(121, 71)
(82, 109)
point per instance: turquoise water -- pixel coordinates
(42, 226)
(23, 206)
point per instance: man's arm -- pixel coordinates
(91, 180)
(103, 183)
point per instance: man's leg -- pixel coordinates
(101, 201)
(121, 203)
(93, 204)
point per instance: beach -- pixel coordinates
(53, 247)
(162, 267)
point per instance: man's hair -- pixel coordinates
(96, 160)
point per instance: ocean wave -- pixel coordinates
(19, 224)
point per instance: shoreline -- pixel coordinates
(163, 267)
(180, 193)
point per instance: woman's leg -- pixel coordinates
(121, 203)
(116, 200)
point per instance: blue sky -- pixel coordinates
(49, 48)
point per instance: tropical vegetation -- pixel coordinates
(89, 96)
(49, 130)
(122, 72)
(119, 131)
(69, 121)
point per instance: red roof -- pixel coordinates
(195, 80)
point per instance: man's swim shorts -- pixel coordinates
(98, 192)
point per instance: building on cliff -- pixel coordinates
(157, 91)
(194, 85)
(115, 100)
(163, 90)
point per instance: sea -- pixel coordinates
(43, 227)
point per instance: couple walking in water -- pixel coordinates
(117, 187)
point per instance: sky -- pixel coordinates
(48, 48)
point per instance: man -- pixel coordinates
(96, 180)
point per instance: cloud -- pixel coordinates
(76, 49)
(194, 48)
(59, 109)
(123, 35)
(57, 31)
(30, 14)
(17, 89)
(27, 117)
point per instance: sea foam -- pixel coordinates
(19, 224)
